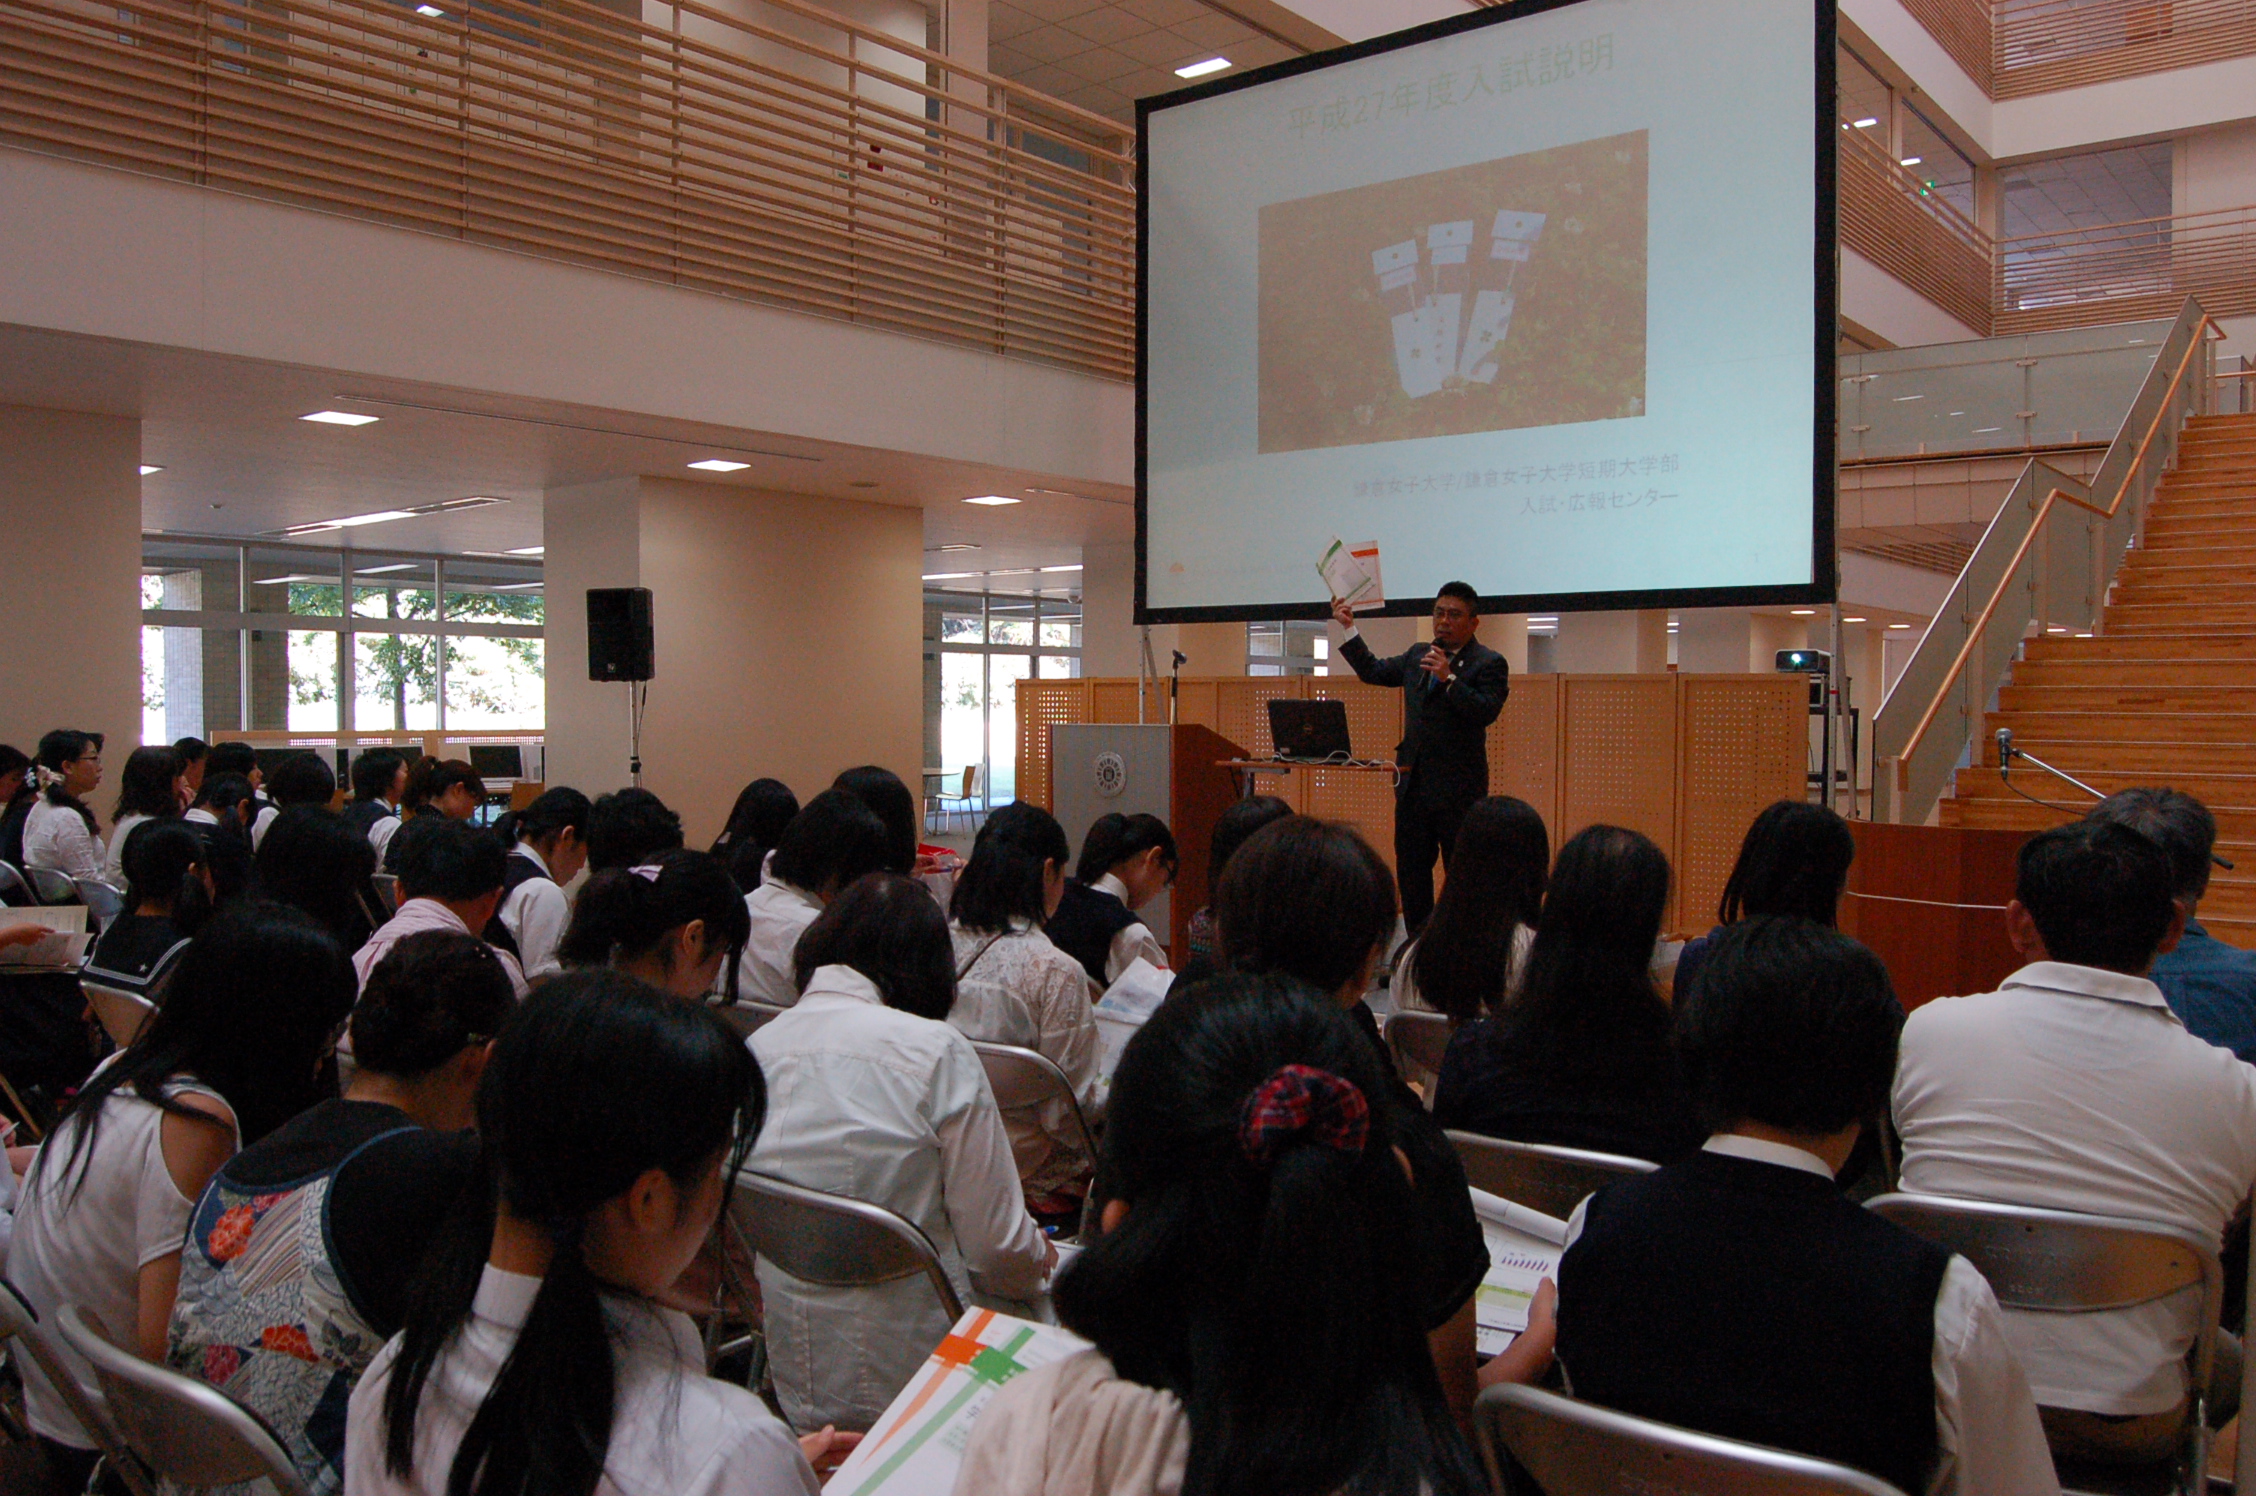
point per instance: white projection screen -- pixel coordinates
(1539, 298)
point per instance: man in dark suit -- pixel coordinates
(1451, 690)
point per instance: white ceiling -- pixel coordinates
(238, 461)
(1105, 54)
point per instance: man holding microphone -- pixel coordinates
(1452, 690)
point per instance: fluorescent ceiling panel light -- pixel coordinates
(339, 418)
(1856, 620)
(1913, 160)
(518, 587)
(720, 465)
(1900, 399)
(1867, 123)
(528, 550)
(1075, 567)
(1201, 69)
(991, 499)
(954, 546)
(377, 571)
(146, 470)
(948, 576)
(2056, 628)
(1986, 430)
(295, 576)
(429, 10)
(1899, 625)
(1803, 612)
(384, 516)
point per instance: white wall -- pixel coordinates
(1873, 297)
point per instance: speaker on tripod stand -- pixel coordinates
(622, 647)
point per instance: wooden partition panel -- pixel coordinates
(1617, 760)
(1523, 747)
(1743, 741)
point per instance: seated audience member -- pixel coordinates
(313, 861)
(674, 923)
(540, 1352)
(168, 896)
(1126, 862)
(449, 879)
(884, 793)
(437, 789)
(1309, 899)
(1470, 957)
(1014, 987)
(300, 779)
(1250, 1330)
(827, 847)
(221, 815)
(148, 790)
(763, 808)
(547, 848)
(1793, 860)
(1741, 1293)
(300, 1252)
(1581, 1057)
(379, 781)
(237, 758)
(230, 1056)
(194, 753)
(628, 827)
(2074, 1087)
(867, 1054)
(19, 791)
(1238, 821)
(2210, 985)
(59, 832)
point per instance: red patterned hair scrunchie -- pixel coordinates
(1298, 1100)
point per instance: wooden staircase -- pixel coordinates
(2165, 693)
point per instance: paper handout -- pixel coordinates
(1137, 992)
(65, 950)
(1524, 1248)
(916, 1447)
(1352, 573)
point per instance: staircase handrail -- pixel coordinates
(1911, 784)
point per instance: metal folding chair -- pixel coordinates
(15, 891)
(387, 886)
(190, 1436)
(1418, 1040)
(1571, 1448)
(21, 1327)
(52, 885)
(1023, 1079)
(1541, 1176)
(104, 902)
(832, 1241)
(747, 1017)
(2064, 1262)
(122, 1014)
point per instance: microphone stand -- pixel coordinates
(1175, 684)
(2007, 753)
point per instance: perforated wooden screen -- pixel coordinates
(1360, 797)
(1040, 704)
(1617, 756)
(1241, 711)
(1742, 742)
(1523, 747)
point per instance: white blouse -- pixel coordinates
(1137, 940)
(881, 1105)
(674, 1430)
(1020, 989)
(1404, 984)
(780, 914)
(535, 914)
(113, 860)
(56, 836)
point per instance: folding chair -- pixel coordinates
(1541, 1176)
(2065, 1262)
(1023, 1079)
(14, 890)
(1418, 1040)
(1571, 1448)
(747, 1017)
(122, 1014)
(832, 1241)
(19, 1325)
(190, 1436)
(103, 901)
(387, 886)
(52, 885)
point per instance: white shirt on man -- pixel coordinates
(2073, 1088)
(674, 1430)
(780, 914)
(1136, 941)
(880, 1105)
(56, 836)
(535, 914)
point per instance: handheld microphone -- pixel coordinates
(2005, 747)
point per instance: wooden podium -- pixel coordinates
(1930, 901)
(1174, 773)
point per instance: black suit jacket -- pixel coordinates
(1444, 746)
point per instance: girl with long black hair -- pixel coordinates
(168, 896)
(675, 922)
(148, 790)
(538, 1355)
(1469, 958)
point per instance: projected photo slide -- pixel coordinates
(1540, 299)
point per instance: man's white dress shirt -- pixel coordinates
(2073, 1088)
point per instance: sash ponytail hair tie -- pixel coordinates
(1301, 1100)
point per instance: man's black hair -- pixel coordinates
(2174, 821)
(629, 827)
(1462, 591)
(833, 842)
(374, 771)
(302, 779)
(2101, 894)
(446, 859)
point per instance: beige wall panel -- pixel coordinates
(1743, 742)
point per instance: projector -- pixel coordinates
(1804, 661)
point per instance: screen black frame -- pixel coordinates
(1824, 583)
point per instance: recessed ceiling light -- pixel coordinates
(1856, 620)
(720, 465)
(956, 545)
(529, 550)
(1803, 612)
(295, 576)
(339, 418)
(1867, 123)
(1900, 399)
(1913, 160)
(948, 576)
(377, 571)
(146, 469)
(382, 516)
(1899, 625)
(1986, 430)
(991, 499)
(1075, 567)
(429, 10)
(1201, 69)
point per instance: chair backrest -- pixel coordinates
(1023, 1079)
(1541, 1176)
(1418, 1041)
(19, 1324)
(190, 1435)
(121, 1013)
(14, 889)
(52, 885)
(834, 1241)
(387, 884)
(1575, 1448)
(746, 1017)
(102, 900)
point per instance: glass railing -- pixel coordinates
(1995, 394)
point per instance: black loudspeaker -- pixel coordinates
(620, 645)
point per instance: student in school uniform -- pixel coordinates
(547, 848)
(379, 781)
(148, 790)
(168, 896)
(60, 832)
(450, 879)
(833, 842)
(675, 922)
(1126, 862)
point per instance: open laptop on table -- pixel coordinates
(1309, 732)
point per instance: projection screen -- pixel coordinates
(1539, 298)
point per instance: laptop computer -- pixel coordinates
(1311, 732)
